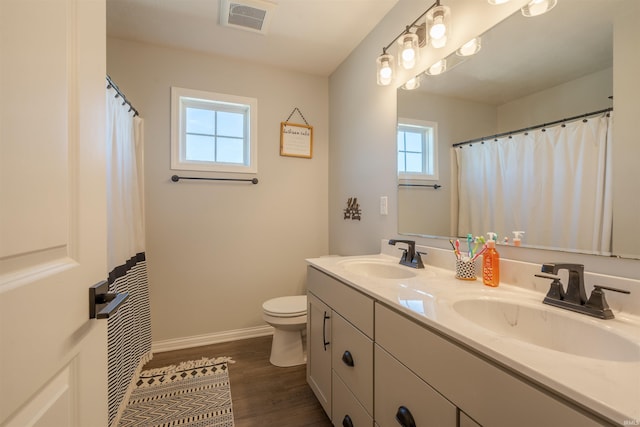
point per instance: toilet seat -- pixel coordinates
(291, 306)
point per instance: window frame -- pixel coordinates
(181, 99)
(433, 146)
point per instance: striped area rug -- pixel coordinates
(196, 393)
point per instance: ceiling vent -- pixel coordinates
(250, 15)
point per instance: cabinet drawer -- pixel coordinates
(397, 387)
(356, 307)
(351, 345)
(346, 407)
(489, 394)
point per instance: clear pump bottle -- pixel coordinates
(491, 265)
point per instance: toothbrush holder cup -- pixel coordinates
(465, 269)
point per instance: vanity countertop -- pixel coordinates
(608, 384)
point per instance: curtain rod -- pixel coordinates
(543, 125)
(111, 84)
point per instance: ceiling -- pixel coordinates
(311, 36)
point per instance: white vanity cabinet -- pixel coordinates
(487, 393)
(408, 373)
(340, 349)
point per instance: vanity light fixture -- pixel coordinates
(435, 29)
(437, 68)
(497, 2)
(538, 7)
(471, 47)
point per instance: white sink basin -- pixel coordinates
(546, 328)
(378, 268)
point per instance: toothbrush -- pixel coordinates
(475, 257)
(469, 241)
(475, 247)
(458, 248)
(455, 251)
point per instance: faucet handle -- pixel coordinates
(622, 291)
(598, 301)
(556, 290)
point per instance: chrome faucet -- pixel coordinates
(575, 298)
(410, 257)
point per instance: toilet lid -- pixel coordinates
(286, 306)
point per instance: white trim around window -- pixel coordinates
(244, 138)
(428, 151)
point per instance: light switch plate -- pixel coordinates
(384, 205)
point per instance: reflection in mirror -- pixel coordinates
(530, 71)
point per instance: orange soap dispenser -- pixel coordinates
(491, 263)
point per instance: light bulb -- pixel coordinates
(408, 58)
(437, 68)
(538, 7)
(409, 50)
(411, 84)
(470, 48)
(408, 54)
(498, 1)
(439, 26)
(385, 69)
(438, 30)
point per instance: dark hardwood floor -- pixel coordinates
(262, 394)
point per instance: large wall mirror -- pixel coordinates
(530, 71)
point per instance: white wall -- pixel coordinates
(362, 137)
(216, 251)
(583, 95)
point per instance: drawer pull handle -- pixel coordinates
(347, 358)
(325, 343)
(404, 417)
(346, 422)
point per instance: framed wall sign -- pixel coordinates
(296, 140)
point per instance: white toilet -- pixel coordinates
(288, 316)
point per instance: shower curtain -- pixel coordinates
(129, 329)
(554, 184)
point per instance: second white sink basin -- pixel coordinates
(378, 268)
(547, 328)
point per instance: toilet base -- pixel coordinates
(286, 348)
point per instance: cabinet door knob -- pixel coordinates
(404, 417)
(347, 358)
(346, 421)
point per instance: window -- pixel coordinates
(213, 132)
(417, 150)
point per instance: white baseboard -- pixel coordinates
(214, 338)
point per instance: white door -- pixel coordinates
(53, 358)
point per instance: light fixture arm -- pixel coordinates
(436, 4)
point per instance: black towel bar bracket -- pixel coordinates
(176, 178)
